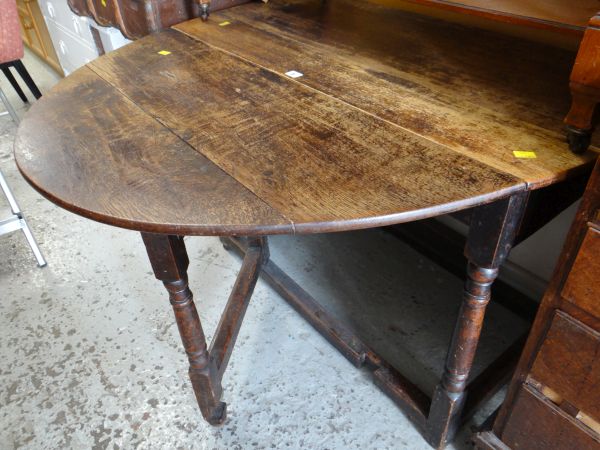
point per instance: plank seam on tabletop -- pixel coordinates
(375, 116)
(156, 119)
(530, 185)
(284, 34)
(132, 224)
(307, 226)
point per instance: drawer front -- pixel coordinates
(583, 284)
(568, 363)
(72, 52)
(537, 424)
(28, 26)
(60, 13)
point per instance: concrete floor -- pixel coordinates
(91, 357)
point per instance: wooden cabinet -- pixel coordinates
(35, 34)
(582, 287)
(136, 20)
(554, 399)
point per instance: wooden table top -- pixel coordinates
(198, 129)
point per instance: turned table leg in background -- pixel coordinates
(169, 260)
(491, 235)
(585, 89)
(492, 232)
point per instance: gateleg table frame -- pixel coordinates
(493, 230)
(170, 261)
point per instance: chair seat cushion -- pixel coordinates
(11, 44)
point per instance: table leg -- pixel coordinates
(491, 235)
(169, 261)
(585, 89)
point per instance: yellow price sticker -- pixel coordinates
(522, 154)
(224, 24)
(164, 52)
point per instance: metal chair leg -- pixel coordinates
(17, 221)
(9, 107)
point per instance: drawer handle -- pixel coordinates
(27, 25)
(76, 25)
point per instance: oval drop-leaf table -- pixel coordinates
(202, 130)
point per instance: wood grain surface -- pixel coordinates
(210, 137)
(94, 152)
(479, 93)
(554, 14)
(312, 157)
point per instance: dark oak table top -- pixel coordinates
(199, 131)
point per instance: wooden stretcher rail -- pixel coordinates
(413, 401)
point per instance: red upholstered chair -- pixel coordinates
(11, 48)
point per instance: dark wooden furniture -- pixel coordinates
(556, 15)
(199, 131)
(585, 89)
(136, 21)
(554, 398)
(560, 16)
(572, 17)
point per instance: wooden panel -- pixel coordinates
(92, 151)
(583, 284)
(569, 364)
(321, 163)
(442, 81)
(551, 13)
(536, 424)
(561, 357)
(136, 19)
(133, 18)
(28, 28)
(35, 33)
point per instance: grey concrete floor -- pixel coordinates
(91, 357)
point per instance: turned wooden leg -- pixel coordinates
(169, 261)
(491, 234)
(449, 396)
(585, 89)
(579, 120)
(202, 372)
